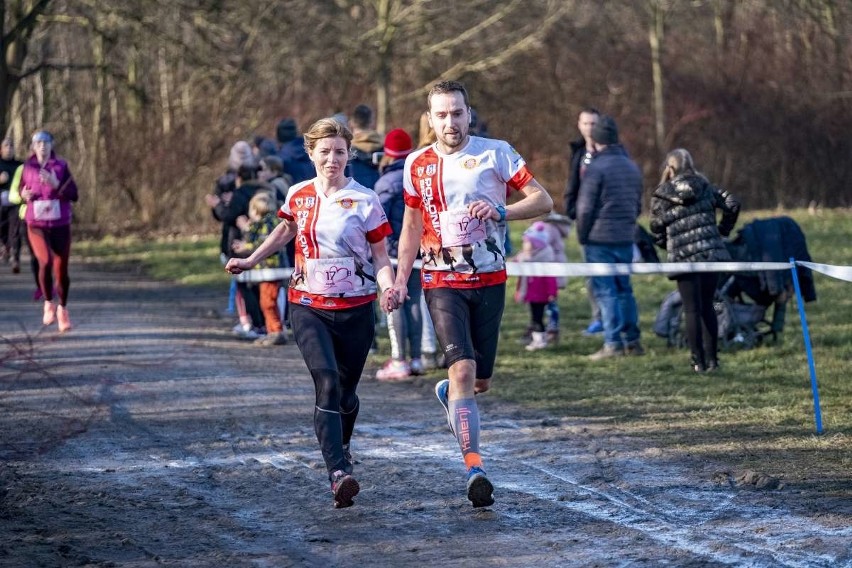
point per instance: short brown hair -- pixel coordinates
(446, 87)
(326, 128)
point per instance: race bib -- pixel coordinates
(459, 228)
(46, 209)
(328, 276)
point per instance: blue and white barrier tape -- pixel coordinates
(604, 269)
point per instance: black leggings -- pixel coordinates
(335, 345)
(697, 291)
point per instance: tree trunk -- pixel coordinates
(383, 78)
(655, 38)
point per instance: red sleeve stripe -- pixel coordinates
(521, 179)
(379, 232)
(412, 201)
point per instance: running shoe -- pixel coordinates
(64, 319)
(49, 313)
(479, 489)
(393, 370)
(442, 391)
(344, 487)
(594, 328)
(416, 366)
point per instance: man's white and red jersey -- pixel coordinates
(459, 251)
(334, 268)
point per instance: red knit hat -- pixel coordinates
(398, 143)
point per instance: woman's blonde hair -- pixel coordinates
(261, 204)
(326, 128)
(678, 162)
(426, 134)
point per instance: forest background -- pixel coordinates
(146, 97)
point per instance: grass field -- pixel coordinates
(757, 413)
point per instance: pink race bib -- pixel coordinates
(328, 276)
(459, 228)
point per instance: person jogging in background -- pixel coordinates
(455, 217)
(340, 229)
(47, 187)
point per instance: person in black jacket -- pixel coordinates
(582, 151)
(10, 221)
(683, 222)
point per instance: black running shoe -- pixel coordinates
(479, 489)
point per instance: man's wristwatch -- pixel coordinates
(502, 212)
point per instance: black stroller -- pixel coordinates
(743, 298)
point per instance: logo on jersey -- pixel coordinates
(346, 203)
(305, 301)
(431, 169)
(470, 163)
(307, 202)
(427, 277)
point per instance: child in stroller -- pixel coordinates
(741, 323)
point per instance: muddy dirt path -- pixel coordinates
(149, 436)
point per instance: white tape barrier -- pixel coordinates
(839, 272)
(604, 269)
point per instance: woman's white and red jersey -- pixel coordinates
(459, 251)
(334, 268)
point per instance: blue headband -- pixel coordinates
(42, 136)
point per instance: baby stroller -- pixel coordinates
(741, 325)
(743, 298)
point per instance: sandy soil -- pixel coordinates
(149, 436)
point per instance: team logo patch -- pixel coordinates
(309, 201)
(470, 163)
(431, 169)
(420, 170)
(305, 301)
(427, 277)
(299, 202)
(346, 203)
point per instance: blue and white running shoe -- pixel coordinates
(442, 391)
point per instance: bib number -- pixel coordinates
(328, 276)
(46, 209)
(459, 228)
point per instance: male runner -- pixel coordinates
(456, 214)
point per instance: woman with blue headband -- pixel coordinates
(44, 183)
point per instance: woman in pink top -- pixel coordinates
(45, 184)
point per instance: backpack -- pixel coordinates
(667, 322)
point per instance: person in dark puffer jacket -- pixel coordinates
(683, 222)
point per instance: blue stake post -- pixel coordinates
(807, 337)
